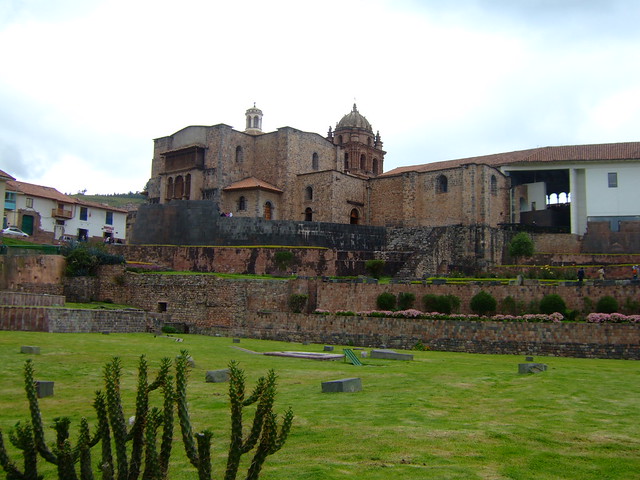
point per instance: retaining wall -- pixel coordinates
(614, 341)
(66, 320)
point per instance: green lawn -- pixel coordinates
(442, 416)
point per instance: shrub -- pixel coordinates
(84, 259)
(430, 302)
(386, 301)
(283, 259)
(607, 304)
(440, 303)
(297, 302)
(552, 303)
(508, 306)
(169, 329)
(521, 246)
(374, 267)
(631, 306)
(405, 300)
(483, 303)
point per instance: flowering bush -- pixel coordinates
(612, 318)
(410, 313)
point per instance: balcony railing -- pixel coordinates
(61, 213)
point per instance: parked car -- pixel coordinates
(14, 231)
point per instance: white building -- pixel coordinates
(47, 215)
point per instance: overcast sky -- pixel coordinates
(85, 85)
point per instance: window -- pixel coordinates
(375, 166)
(363, 162)
(494, 185)
(308, 215)
(242, 204)
(346, 162)
(267, 211)
(354, 217)
(178, 187)
(442, 184)
(84, 213)
(109, 218)
(29, 202)
(239, 154)
(613, 179)
(314, 161)
(308, 193)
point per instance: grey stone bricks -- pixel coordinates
(391, 355)
(44, 388)
(217, 376)
(30, 350)
(344, 385)
(531, 367)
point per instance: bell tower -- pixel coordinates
(254, 120)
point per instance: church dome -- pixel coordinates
(354, 120)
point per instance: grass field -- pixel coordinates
(442, 416)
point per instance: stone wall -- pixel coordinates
(199, 223)
(30, 299)
(569, 340)
(65, 320)
(32, 273)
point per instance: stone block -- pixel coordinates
(529, 359)
(236, 340)
(44, 388)
(328, 348)
(531, 367)
(391, 355)
(30, 350)
(217, 376)
(345, 385)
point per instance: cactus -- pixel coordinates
(22, 438)
(263, 432)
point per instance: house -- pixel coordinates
(47, 215)
(4, 178)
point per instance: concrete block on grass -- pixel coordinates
(531, 367)
(217, 376)
(345, 385)
(44, 388)
(391, 355)
(30, 350)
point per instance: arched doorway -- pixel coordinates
(308, 215)
(268, 210)
(354, 217)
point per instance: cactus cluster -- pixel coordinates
(129, 449)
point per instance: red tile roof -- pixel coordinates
(569, 153)
(251, 183)
(6, 176)
(53, 194)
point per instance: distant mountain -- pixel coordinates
(128, 201)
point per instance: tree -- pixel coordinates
(521, 246)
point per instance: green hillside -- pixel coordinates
(118, 200)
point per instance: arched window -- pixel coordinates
(248, 121)
(178, 187)
(346, 162)
(375, 166)
(339, 139)
(314, 161)
(256, 122)
(308, 193)
(442, 184)
(242, 204)
(187, 187)
(169, 193)
(308, 214)
(268, 211)
(354, 217)
(363, 162)
(239, 154)
(494, 185)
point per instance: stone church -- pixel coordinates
(293, 176)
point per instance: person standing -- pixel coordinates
(580, 276)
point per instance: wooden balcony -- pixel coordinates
(61, 213)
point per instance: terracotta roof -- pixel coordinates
(251, 183)
(38, 191)
(53, 194)
(6, 176)
(568, 153)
